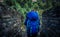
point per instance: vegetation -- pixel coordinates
(19, 8)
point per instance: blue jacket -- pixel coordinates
(32, 22)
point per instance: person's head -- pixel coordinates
(35, 8)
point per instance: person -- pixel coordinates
(32, 23)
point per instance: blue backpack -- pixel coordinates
(33, 26)
(32, 22)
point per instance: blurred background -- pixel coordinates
(13, 14)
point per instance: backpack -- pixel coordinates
(32, 26)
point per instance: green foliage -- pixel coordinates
(23, 6)
(26, 5)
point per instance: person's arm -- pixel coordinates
(39, 22)
(26, 21)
